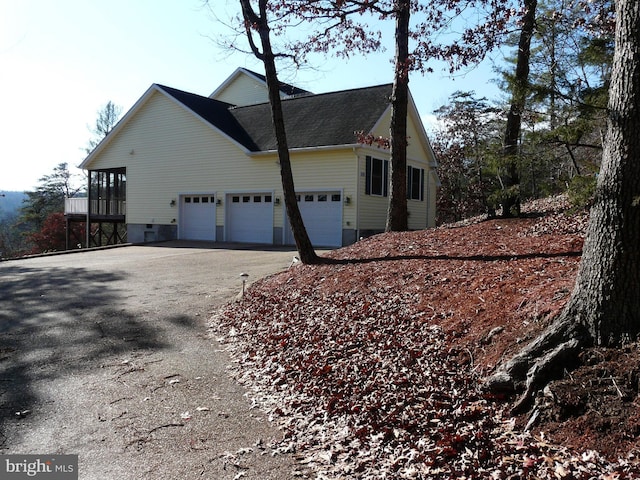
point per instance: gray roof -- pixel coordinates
(312, 120)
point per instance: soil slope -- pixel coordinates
(373, 364)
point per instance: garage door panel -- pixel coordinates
(322, 216)
(250, 218)
(198, 217)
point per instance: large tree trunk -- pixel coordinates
(397, 215)
(259, 23)
(604, 308)
(511, 196)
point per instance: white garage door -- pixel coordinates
(249, 218)
(322, 215)
(198, 217)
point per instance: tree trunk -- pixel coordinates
(604, 308)
(397, 214)
(511, 195)
(303, 243)
(609, 279)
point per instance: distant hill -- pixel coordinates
(10, 204)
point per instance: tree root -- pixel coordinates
(544, 359)
(545, 368)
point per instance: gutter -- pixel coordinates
(322, 148)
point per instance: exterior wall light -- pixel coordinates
(218, 202)
(347, 200)
(277, 201)
(172, 203)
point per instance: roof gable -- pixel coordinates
(244, 87)
(323, 120)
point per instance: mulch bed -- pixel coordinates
(373, 364)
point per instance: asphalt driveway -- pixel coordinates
(105, 354)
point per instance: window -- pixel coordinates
(298, 198)
(235, 199)
(257, 199)
(335, 197)
(246, 199)
(187, 199)
(415, 183)
(308, 198)
(322, 198)
(267, 198)
(377, 178)
(196, 199)
(205, 199)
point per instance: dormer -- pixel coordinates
(244, 87)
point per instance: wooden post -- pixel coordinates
(88, 221)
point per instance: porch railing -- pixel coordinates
(108, 207)
(78, 206)
(75, 206)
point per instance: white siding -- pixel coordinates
(169, 152)
(373, 210)
(244, 90)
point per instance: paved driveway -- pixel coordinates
(105, 354)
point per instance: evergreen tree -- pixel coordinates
(48, 197)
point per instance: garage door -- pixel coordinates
(322, 215)
(249, 218)
(198, 217)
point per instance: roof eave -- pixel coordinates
(317, 148)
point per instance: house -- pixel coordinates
(184, 166)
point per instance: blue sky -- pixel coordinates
(60, 62)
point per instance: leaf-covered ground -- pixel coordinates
(373, 364)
